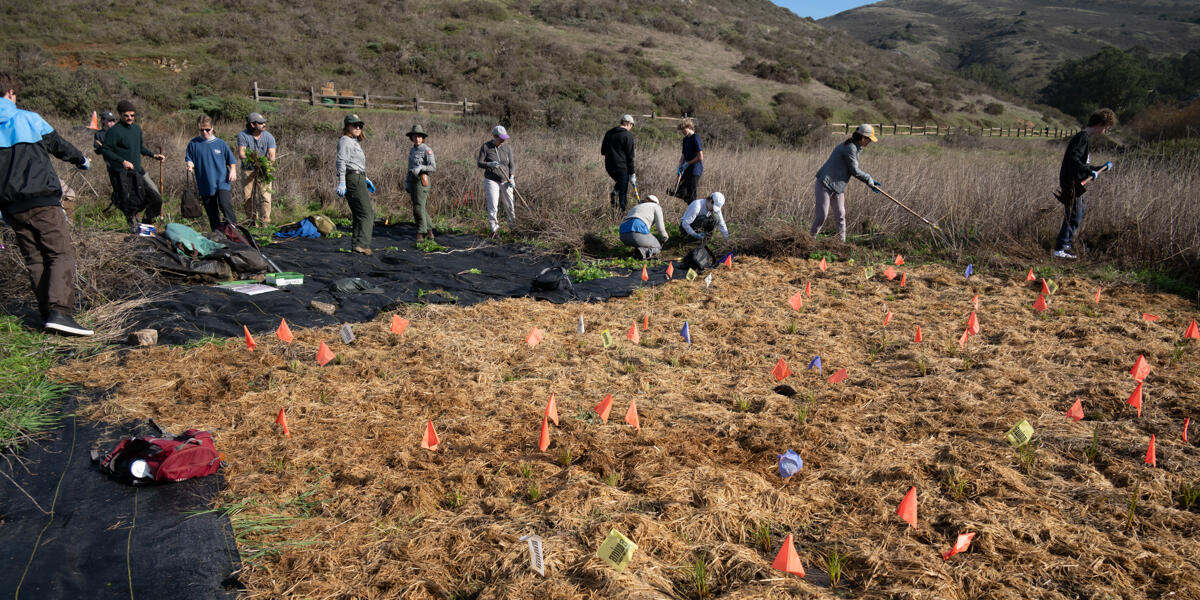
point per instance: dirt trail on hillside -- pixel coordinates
(361, 511)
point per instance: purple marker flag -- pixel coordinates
(687, 335)
(970, 270)
(815, 363)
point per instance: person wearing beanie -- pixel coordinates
(496, 159)
(256, 139)
(704, 215)
(30, 202)
(618, 151)
(639, 222)
(123, 146)
(829, 191)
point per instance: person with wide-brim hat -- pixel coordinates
(353, 184)
(421, 162)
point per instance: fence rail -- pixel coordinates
(926, 129)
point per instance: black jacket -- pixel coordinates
(1075, 167)
(617, 149)
(27, 179)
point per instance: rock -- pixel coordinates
(143, 337)
(324, 307)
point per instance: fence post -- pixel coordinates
(312, 96)
(464, 107)
(416, 104)
(256, 91)
(366, 99)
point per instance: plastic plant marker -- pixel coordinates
(1075, 413)
(430, 440)
(645, 275)
(973, 324)
(686, 333)
(903, 279)
(917, 339)
(839, 376)
(604, 408)
(281, 420)
(1135, 399)
(633, 334)
(960, 545)
(890, 273)
(284, 332)
(781, 371)
(796, 301)
(1140, 369)
(887, 318)
(670, 269)
(1020, 434)
(975, 301)
(822, 264)
(1030, 276)
(708, 281)
(1151, 459)
(1186, 421)
(787, 560)
(347, 334)
(691, 275)
(399, 324)
(1097, 300)
(324, 354)
(728, 262)
(537, 561)
(1040, 304)
(899, 260)
(249, 339)
(552, 410)
(962, 341)
(606, 338)
(631, 416)
(544, 436)
(1045, 287)
(645, 322)
(580, 329)
(908, 507)
(815, 363)
(617, 550)
(534, 337)
(969, 271)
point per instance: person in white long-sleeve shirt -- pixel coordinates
(639, 222)
(703, 215)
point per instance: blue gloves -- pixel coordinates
(341, 190)
(370, 186)
(87, 162)
(875, 185)
(493, 165)
(1108, 165)
(699, 236)
(1095, 175)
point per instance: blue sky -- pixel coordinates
(820, 8)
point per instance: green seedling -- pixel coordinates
(525, 470)
(430, 246)
(740, 404)
(1133, 505)
(612, 478)
(534, 493)
(454, 499)
(956, 479)
(835, 564)
(791, 328)
(1189, 494)
(1093, 449)
(762, 536)
(565, 458)
(699, 571)
(1027, 455)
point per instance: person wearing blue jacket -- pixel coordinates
(830, 187)
(31, 203)
(213, 163)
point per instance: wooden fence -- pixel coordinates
(909, 129)
(313, 97)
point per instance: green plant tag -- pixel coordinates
(1052, 286)
(692, 275)
(868, 272)
(1020, 434)
(617, 550)
(606, 337)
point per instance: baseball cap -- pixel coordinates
(718, 201)
(627, 118)
(255, 118)
(352, 119)
(500, 132)
(866, 131)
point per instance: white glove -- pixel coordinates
(633, 180)
(87, 162)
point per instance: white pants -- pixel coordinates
(825, 200)
(491, 193)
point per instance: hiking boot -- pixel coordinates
(360, 250)
(61, 323)
(420, 237)
(1063, 254)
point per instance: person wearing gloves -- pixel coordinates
(215, 167)
(496, 160)
(353, 184)
(421, 163)
(123, 147)
(703, 215)
(30, 201)
(639, 222)
(107, 120)
(618, 151)
(1074, 174)
(829, 190)
(691, 166)
(255, 138)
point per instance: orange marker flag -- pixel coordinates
(1135, 399)
(1029, 276)
(544, 436)
(975, 301)
(324, 354)
(633, 334)
(1151, 459)
(631, 416)
(552, 410)
(918, 337)
(645, 322)
(903, 279)
(1040, 305)
(1045, 288)
(840, 376)
(822, 264)
(1097, 296)
(399, 324)
(604, 408)
(249, 339)
(281, 420)
(796, 301)
(973, 324)
(887, 318)
(890, 273)
(1186, 420)
(534, 337)
(781, 370)
(1140, 369)
(95, 124)
(284, 332)
(962, 341)
(1150, 317)
(960, 545)
(1192, 333)
(808, 289)
(670, 269)
(908, 507)
(1075, 413)
(645, 276)
(728, 262)
(899, 260)
(430, 439)
(787, 560)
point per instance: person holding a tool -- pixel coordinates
(496, 160)
(258, 140)
(210, 159)
(638, 224)
(829, 189)
(618, 151)
(107, 120)
(421, 162)
(1074, 174)
(691, 167)
(135, 191)
(353, 184)
(30, 199)
(704, 215)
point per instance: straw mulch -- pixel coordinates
(373, 515)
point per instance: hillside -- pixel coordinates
(1018, 42)
(752, 70)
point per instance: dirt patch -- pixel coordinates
(372, 515)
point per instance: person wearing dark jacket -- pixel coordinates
(617, 149)
(1074, 174)
(691, 163)
(30, 200)
(123, 146)
(107, 120)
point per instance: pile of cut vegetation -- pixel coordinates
(350, 505)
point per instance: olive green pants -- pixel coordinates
(361, 211)
(419, 195)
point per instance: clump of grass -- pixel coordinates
(1093, 449)
(956, 480)
(698, 569)
(565, 458)
(454, 499)
(740, 404)
(430, 246)
(1027, 455)
(534, 493)
(762, 535)
(1189, 494)
(1133, 506)
(525, 470)
(835, 565)
(803, 407)
(28, 399)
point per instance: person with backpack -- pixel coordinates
(703, 215)
(30, 202)
(691, 166)
(210, 159)
(496, 159)
(421, 162)
(353, 184)
(1074, 174)
(639, 222)
(124, 146)
(618, 150)
(829, 190)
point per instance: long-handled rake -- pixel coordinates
(509, 181)
(910, 211)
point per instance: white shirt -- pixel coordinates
(697, 208)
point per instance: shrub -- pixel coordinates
(994, 108)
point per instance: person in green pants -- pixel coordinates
(353, 184)
(421, 163)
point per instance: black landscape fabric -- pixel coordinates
(69, 531)
(400, 272)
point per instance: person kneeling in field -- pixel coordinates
(703, 215)
(635, 229)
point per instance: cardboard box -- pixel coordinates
(285, 278)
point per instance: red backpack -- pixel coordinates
(146, 460)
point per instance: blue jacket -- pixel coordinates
(212, 159)
(842, 164)
(27, 179)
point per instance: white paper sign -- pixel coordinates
(535, 553)
(347, 334)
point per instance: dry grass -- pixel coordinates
(369, 514)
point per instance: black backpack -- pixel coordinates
(553, 279)
(699, 259)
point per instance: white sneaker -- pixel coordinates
(1063, 254)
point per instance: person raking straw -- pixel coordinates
(829, 189)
